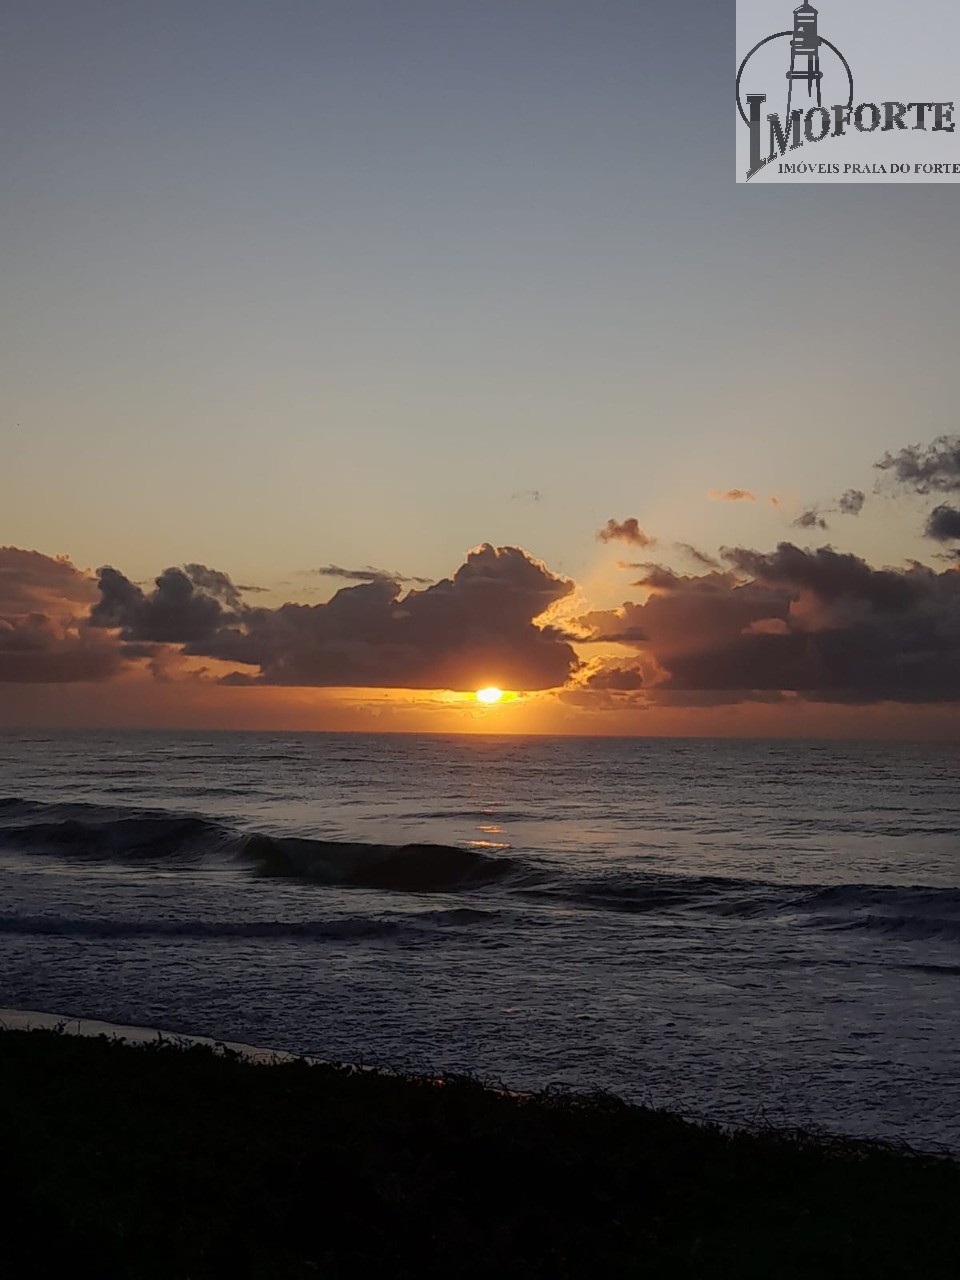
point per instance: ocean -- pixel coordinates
(743, 931)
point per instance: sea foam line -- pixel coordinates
(34, 1020)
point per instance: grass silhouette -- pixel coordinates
(184, 1163)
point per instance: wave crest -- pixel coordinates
(95, 832)
(123, 836)
(416, 867)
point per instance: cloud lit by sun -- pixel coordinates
(490, 694)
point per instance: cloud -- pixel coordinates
(32, 582)
(848, 504)
(607, 684)
(818, 625)
(732, 495)
(687, 612)
(37, 651)
(697, 556)
(810, 519)
(767, 627)
(187, 605)
(478, 627)
(943, 523)
(45, 637)
(821, 624)
(620, 630)
(657, 576)
(615, 678)
(625, 531)
(366, 574)
(851, 502)
(830, 576)
(932, 468)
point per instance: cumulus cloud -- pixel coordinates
(943, 523)
(732, 495)
(851, 502)
(792, 622)
(831, 576)
(215, 583)
(186, 605)
(31, 582)
(932, 468)
(658, 576)
(615, 678)
(625, 531)
(821, 624)
(483, 625)
(45, 637)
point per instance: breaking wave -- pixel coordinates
(415, 867)
(125, 836)
(99, 833)
(106, 834)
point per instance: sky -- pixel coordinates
(438, 288)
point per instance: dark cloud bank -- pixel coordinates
(459, 633)
(819, 624)
(822, 624)
(45, 633)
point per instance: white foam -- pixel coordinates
(33, 1020)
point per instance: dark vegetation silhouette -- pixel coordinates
(164, 1161)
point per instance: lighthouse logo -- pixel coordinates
(815, 82)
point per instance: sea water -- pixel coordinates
(737, 930)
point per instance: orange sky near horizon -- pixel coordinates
(757, 645)
(143, 704)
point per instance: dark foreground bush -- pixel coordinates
(182, 1164)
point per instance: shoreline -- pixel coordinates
(67, 1024)
(138, 1036)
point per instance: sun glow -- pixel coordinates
(490, 694)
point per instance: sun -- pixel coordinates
(490, 694)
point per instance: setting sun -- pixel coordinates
(490, 694)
